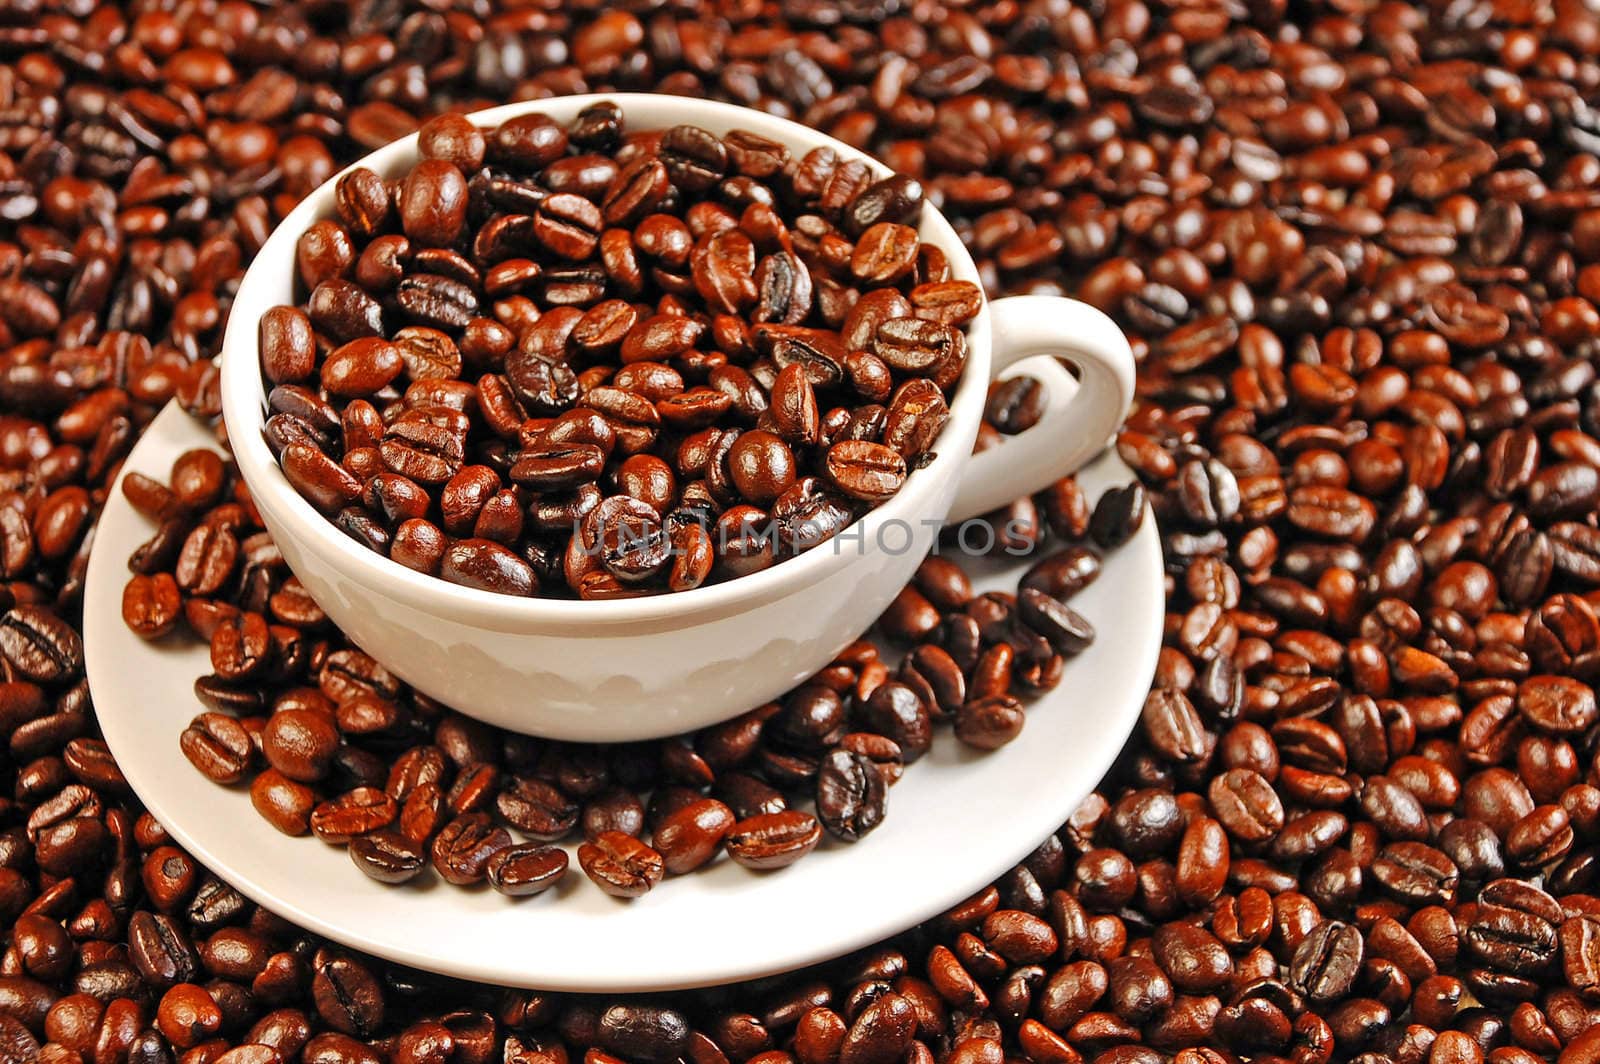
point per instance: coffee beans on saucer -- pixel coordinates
(331, 744)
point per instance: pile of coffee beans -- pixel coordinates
(332, 744)
(1357, 249)
(598, 362)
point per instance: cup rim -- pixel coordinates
(244, 401)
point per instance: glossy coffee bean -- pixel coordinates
(527, 869)
(621, 865)
(568, 225)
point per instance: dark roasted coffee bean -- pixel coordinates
(488, 566)
(1062, 626)
(348, 997)
(851, 795)
(159, 950)
(621, 865)
(388, 856)
(925, 348)
(1117, 515)
(355, 813)
(1015, 404)
(219, 746)
(40, 646)
(1327, 961)
(896, 711)
(1063, 575)
(1174, 728)
(558, 467)
(748, 796)
(695, 159)
(433, 203)
(527, 869)
(990, 722)
(773, 840)
(644, 1032)
(300, 743)
(463, 848)
(537, 808)
(151, 605)
(692, 835)
(568, 226)
(1515, 928)
(864, 470)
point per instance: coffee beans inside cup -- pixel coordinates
(598, 362)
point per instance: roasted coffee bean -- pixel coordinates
(896, 711)
(363, 201)
(151, 605)
(40, 646)
(748, 796)
(1063, 575)
(284, 803)
(348, 997)
(463, 848)
(1327, 961)
(1579, 945)
(1015, 404)
(488, 566)
(537, 808)
(388, 856)
(865, 470)
(1066, 631)
(644, 1032)
(300, 743)
(616, 809)
(1515, 927)
(990, 722)
(433, 203)
(188, 1015)
(1416, 872)
(1193, 958)
(913, 345)
(851, 795)
(773, 840)
(884, 253)
(355, 813)
(361, 368)
(526, 869)
(344, 311)
(1557, 704)
(1173, 727)
(621, 865)
(219, 746)
(160, 951)
(1117, 516)
(692, 835)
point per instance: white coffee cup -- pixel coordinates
(628, 669)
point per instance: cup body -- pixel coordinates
(605, 671)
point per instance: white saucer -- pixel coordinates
(957, 819)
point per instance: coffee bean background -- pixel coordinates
(1356, 248)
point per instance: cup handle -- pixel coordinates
(1073, 430)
